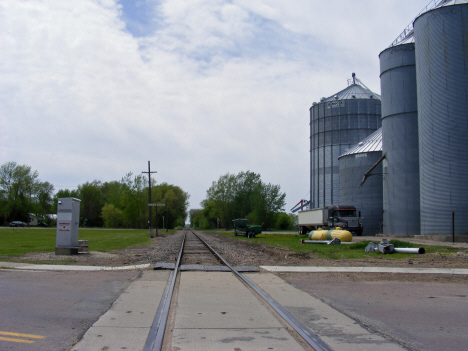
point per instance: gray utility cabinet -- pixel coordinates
(68, 222)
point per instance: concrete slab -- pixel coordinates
(215, 311)
(336, 329)
(127, 323)
(311, 269)
(408, 270)
(217, 269)
(57, 267)
(243, 269)
(164, 265)
(135, 306)
(282, 269)
(219, 300)
(199, 267)
(276, 339)
(105, 338)
(14, 265)
(192, 267)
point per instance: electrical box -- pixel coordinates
(68, 223)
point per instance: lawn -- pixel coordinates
(18, 241)
(353, 251)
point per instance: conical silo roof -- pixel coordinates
(370, 144)
(354, 91)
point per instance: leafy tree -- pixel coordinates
(242, 196)
(112, 193)
(175, 201)
(283, 221)
(91, 204)
(196, 218)
(135, 201)
(44, 201)
(112, 216)
(22, 193)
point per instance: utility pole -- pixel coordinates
(149, 198)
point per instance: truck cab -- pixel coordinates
(345, 217)
(330, 217)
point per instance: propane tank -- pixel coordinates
(318, 234)
(343, 235)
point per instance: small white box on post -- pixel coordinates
(68, 224)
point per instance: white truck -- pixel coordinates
(344, 216)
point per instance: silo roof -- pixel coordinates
(372, 143)
(408, 33)
(354, 91)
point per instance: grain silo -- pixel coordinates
(441, 37)
(354, 163)
(337, 123)
(400, 140)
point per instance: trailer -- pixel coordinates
(343, 216)
(249, 230)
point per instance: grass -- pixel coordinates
(16, 242)
(19, 241)
(353, 251)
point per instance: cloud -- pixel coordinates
(94, 89)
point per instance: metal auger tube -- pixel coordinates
(419, 250)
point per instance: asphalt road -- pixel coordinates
(52, 310)
(422, 315)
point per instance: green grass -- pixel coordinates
(353, 251)
(19, 241)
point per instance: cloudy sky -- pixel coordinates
(94, 89)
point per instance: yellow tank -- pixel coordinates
(338, 233)
(318, 234)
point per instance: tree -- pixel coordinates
(112, 216)
(242, 196)
(175, 201)
(283, 221)
(135, 201)
(22, 193)
(44, 201)
(91, 204)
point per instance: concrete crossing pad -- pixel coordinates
(125, 326)
(338, 330)
(215, 311)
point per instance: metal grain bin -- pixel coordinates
(337, 123)
(367, 199)
(441, 37)
(400, 143)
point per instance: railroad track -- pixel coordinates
(196, 253)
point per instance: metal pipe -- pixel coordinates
(420, 250)
(453, 227)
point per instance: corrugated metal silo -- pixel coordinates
(337, 123)
(367, 199)
(441, 39)
(400, 140)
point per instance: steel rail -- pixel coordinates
(312, 339)
(155, 337)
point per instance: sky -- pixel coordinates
(94, 89)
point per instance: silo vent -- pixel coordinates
(361, 143)
(354, 96)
